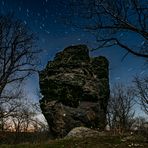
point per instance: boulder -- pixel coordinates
(75, 90)
(82, 132)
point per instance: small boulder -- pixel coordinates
(82, 132)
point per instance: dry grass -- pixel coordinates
(92, 142)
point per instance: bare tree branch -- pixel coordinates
(18, 54)
(107, 19)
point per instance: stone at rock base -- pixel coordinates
(82, 132)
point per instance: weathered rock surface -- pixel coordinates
(82, 132)
(75, 90)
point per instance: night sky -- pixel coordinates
(44, 18)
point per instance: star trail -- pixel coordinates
(44, 18)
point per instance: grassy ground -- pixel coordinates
(92, 142)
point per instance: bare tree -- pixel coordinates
(23, 116)
(120, 108)
(140, 122)
(20, 114)
(17, 53)
(8, 105)
(141, 89)
(9, 102)
(112, 21)
(40, 125)
(18, 60)
(26, 116)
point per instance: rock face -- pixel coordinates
(75, 90)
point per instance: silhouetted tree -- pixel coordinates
(141, 89)
(140, 123)
(18, 60)
(120, 108)
(23, 116)
(18, 57)
(8, 105)
(112, 21)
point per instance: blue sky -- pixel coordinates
(43, 18)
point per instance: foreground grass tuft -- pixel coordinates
(91, 142)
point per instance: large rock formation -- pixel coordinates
(75, 90)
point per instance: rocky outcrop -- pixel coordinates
(75, 90)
